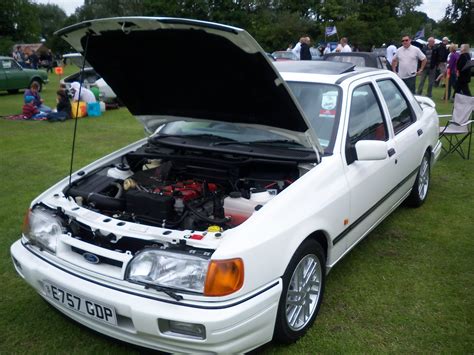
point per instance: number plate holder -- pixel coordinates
(87, 307)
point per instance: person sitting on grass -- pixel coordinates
(63, 108)
(86, 95)
(30, 111)
(38, 101)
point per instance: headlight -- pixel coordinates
(42, 228)
(169, 269)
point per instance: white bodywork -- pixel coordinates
(341, 202)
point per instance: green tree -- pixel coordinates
(18, 24)
(459, 21)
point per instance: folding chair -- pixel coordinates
(459, 128)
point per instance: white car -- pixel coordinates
(216, 233)
(89, 77)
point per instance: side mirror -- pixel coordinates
(371, 150)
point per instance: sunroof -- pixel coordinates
(314, 67)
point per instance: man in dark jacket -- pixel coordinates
(430, 67)
(305, 53)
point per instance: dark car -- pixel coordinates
(360, 59)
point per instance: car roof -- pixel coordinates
(322, 71)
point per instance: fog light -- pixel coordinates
(191, 330)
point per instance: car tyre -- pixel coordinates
(40, 84)
(302, 294)
(420, 189)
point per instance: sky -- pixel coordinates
(434, 8)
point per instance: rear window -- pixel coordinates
(358, 61)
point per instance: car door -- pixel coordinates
(371, 182)
(17, 78)
(408, 131)
(3, 77)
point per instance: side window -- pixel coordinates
(397, 104)
(366, 120)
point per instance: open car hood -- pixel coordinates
(167, 69)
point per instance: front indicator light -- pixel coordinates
(224, 277)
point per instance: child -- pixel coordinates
(30, 111)
(38, 101)
(63, 108)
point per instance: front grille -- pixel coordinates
(102, 259)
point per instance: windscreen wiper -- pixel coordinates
(200, 135)
(262, 142)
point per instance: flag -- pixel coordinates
(331, 30)
(420, 34)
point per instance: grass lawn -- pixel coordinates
(407, 288)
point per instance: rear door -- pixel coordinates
(408, 131)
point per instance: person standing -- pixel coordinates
(442, 57)
(464, 76)
(407, 57)
(391, 50)
(452, 61)
(18, 56)
(34, 59)
(343, 46)
(305, 53)
(297, 48)
(430, 68)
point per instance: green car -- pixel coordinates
(13, 77)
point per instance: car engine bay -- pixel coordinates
(184, 189)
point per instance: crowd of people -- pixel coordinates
(302, 48)
(439, 63)
(29, 58)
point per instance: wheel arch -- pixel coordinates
(322, 238)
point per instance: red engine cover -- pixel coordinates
(189, 189)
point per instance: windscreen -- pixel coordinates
(321, 104)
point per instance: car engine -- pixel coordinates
(190, 190)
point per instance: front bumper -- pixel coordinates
(230, 328)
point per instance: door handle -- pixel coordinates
(391, 152)
(420, 132)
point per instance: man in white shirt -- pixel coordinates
(407, 57)
(343, 46)
(297, 49)
(391, 50)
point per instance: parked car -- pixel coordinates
(90, 77)
(284, 55)
(360, 59)
(13, 77)
(216, 233)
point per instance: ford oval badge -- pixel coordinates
(91, 258)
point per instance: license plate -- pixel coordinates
(87, 307)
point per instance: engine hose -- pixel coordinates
(205, 218)
(172, 224)
(106, 202)
(120, 190)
